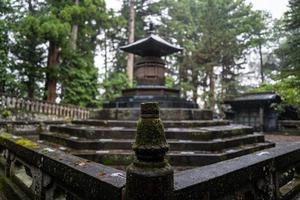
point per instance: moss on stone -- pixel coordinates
(27, 143)
(6, 135)
(150, 132)
(117, 159)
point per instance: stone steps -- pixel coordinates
(176, 158)
(177, 145)
(167, 124)
(202, 133)
(192, 143)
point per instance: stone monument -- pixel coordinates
(149, 73)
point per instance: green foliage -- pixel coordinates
(170, 82)
(215, 34)
(36, 25)
(293, 41)
(288, 88)
(287, 79)
(80, 84)
(78, 73)
(113, 86)
(6, 113)
(7, 82)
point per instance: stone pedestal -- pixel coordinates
(150, 176)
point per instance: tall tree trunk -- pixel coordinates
(73, 46)
(105, 55)
(131, 27)
(2, 86)
(74, 33)
(195, 83)
(223, 87)
(261, 63)
(211, 88)
(51, 78)
(31, 87)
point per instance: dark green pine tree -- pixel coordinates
(27, 50)
(7, 82)
(78, 74)
(293, 46)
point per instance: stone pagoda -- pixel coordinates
(150, 77)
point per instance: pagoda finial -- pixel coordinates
(151, 28)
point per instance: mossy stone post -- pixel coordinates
(150, 176)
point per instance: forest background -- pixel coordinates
(48, 49)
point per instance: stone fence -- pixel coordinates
(290, 126)
(44, 173)
(41, 172)
(42, 107)
(26, 128)
(267, 175)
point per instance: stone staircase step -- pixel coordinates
(176, 158)
(108, 144)
(167, 124)
(203, 133)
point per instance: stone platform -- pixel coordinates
(192, 142)
(175, 114)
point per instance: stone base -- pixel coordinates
(164, 102)
(154, 91)
(165, 114)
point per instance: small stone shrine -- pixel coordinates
(255, 109)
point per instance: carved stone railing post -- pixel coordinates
(41, 127)
(10, 128)
(42, 185)
(150, 176)
(9, 163)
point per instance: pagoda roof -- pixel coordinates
(153, 45)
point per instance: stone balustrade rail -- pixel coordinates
(49, 174)
(292, 126)
(270, 174)
(42, 107)
(24, 127)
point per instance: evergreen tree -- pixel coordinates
(216, 34)
(27, 48)
(79, 75)
(6, 79)
(293, 48)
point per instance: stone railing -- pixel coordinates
(270, 174)
(44, 173)
(23, 127)
(42, 107)
(291, 126)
